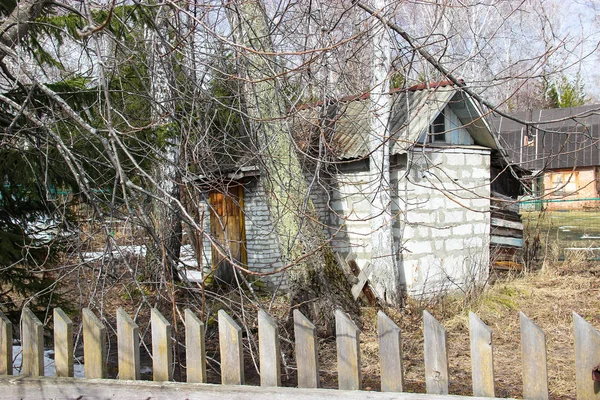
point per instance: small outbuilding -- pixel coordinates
(448, 175)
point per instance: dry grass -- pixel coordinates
(548, 297)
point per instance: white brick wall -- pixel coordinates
(444, 197)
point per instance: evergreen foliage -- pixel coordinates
(566, 92)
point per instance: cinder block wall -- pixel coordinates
(440, 200)
(446, 231)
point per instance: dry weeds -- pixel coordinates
(548, 297)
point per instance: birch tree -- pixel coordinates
(386, 275)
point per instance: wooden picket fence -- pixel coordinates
(32, 384)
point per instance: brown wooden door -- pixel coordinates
(228, 230)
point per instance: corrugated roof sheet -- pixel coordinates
(572, 140)
(346, 123)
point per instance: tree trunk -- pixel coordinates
(165, 246)
(316, 282)
(385, 276)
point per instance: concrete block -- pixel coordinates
(424, 231)
(455, 159)
(419, 247)
(462, 229)
(453, 217)
(454, 244)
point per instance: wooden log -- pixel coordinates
(482, 357)
(390, 354)
(195, 351)
(162, 347)
(533, 355)
(347, 336)
(230, 345)
(94, 346)
(436, 355)
(63, 343)
(6, 344)
(587, 357)
(128, 346)
(307, 361)
(32, 341)
(268, 348)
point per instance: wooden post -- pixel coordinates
(32, 340)
(94, 346)
(482, 357)
(162, 348)
(587, 357)
(268, 349)
(6, 343)
(63, 343)
(128, 346)
(195, 352)
(390, 354)
(348, 352)
(533, 355)
(307, 361)
(436, 355)
(230, 345)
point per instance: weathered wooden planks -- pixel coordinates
(230, 345)
(195, 352)
(390, 354)
(307, 359)
(102, 389)
(535, 375)
(348, 352)
(128, 345)
(94, 346)
(533, 355)
(268, 348)
(32, 340)
(482, 357)
(162, 348)
(436, 355)
(63, 343)
(587, 357)
(6, 343)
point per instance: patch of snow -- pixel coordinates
(145, 370)
(49, 366)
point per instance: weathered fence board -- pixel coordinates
(100, 389)
(94, 346)
(195, 352)
(63, 343)
(230, 345)
(128, 345)
(32, 385)
(482, 357)
(587, 357)
(32, 341)
(436, 355)
(533, 355)
(348, 352)
(390, 354)
(6, 343)
(268, 349)
(307, 359)
(162, 348)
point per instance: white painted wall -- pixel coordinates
(441, 206)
